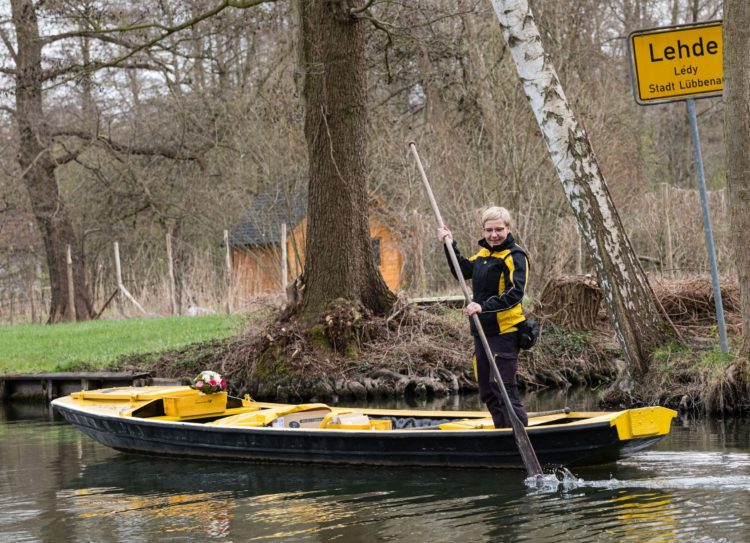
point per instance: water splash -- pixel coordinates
(551, 482)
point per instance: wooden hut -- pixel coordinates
(262, 265)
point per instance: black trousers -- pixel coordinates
(505, 349)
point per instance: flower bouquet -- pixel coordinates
(209, 382)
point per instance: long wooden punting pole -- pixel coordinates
(533, 468)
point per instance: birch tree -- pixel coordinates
(639, 321)
(737, 137)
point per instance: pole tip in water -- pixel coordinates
(550, 482)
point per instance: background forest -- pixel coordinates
(178, 137)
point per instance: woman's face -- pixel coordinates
(495, 232)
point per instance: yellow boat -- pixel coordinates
(180, 421)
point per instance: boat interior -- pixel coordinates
(184, 404)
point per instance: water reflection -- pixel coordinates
(103, 512)
(624, 515)
(27, 411)
(289, 502)
(58, 485)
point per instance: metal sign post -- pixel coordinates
(681, 63)
(710, 248)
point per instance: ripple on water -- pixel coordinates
(673, 496)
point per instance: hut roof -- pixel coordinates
(265, 215)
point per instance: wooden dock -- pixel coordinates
(49, 386)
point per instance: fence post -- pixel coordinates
(665, 206)
(120, 284)
(71, 313)
(229, 272)
(30, 292)
(31, 276)
(284, 271)
(170, 267)
(31, 303)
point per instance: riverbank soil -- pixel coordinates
(698, 376)
(693, 375)
(424, 352)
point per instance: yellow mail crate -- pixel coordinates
(191, 406)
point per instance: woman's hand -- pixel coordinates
(443, 233)
(472, 308)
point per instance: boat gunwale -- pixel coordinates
(603, 419)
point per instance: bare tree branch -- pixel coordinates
(82, 68)
(355, 11)
(151, 150)
(8, 44)
(69, 156)
(101, 34)
(135, 48)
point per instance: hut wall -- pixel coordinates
(391, 258)
(295, 250)
(257, 270)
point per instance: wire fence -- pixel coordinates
(182, 278)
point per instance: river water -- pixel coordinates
(57, 485)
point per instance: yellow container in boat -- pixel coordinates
(192, 406)
(354, 421)
(381, 424)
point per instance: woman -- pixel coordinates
(498, 273)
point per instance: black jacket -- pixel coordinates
(498, 282)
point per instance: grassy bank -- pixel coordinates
(43, 348)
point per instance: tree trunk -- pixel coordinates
(339, 262)
(639, 321)
(38, 167)
(737, 137)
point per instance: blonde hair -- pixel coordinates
(495, 213)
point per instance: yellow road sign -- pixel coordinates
(677, 62)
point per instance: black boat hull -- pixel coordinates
(567, 445)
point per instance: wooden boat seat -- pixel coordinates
(304, 416)
(135, 394)
(308, 415)
(487, 424)
(468, 424)
(352, 420)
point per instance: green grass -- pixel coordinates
(43, 348)
(717, 361)
(669, 355)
